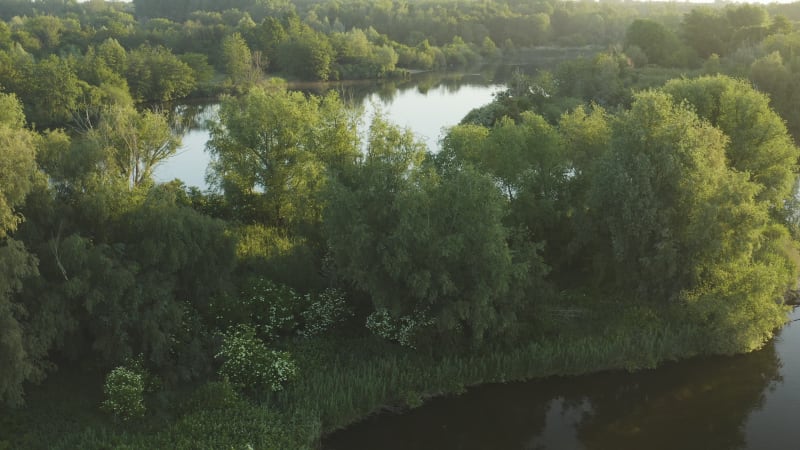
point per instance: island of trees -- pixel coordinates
(614, 211)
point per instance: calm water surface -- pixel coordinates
(425, 104)
(743, 402)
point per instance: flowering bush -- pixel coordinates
(323, 312)
(273, 307)
(124, 392)
(403, 330)
(249, 364)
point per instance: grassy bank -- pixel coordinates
(338, 387)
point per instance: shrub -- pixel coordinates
(124, 392)
(275, 310)
(249, 364)
(404, 330)
(323, 312)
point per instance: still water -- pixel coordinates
(742, 402)
(426, 104)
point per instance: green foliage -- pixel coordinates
(416, 240)
(124, 392)
(17, 162)
(323, 312)
(305, 53)
(19, 358)
(675, 201)
(660, 45)
(238, 60)
(19, 354)
(273, 150)
(404, 330)
(135, 143)
(275, 254)
(249, 364)
(357, 57)
(274, 309)
(759, 143)
(278, 311)
(661, 172)
(154, 74)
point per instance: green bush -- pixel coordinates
(124, 392)
(249, 364)
(276, 311)
(322, 312)
(404, 330)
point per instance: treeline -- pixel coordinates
(162, 51)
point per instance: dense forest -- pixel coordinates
(616, 210)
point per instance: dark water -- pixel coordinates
(743, 402)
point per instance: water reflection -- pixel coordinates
(424, 103)
(747, 401)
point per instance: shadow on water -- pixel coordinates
(699, 404)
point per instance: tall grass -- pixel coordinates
(345, 379)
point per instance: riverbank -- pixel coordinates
(336, 389)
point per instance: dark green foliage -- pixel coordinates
(660, 45)
(20, 362)
(305, 53)
(672, 202)
(124, 390)
(248, 363)
(434, 243)
(154, 74)
(142, 284)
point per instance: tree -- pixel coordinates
(759, 143)
(661, 45)
(18, 172)
(53, 91)
(136, 143)
(237, 60)
(272, 150)
(154, 74)
(305, 53)
(661, 172)
(17, 164)
(527, 162)
(707, 32)
(684, 229)
(428, 245)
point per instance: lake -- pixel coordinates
(425, 103)
(741, 402)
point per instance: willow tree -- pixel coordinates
(685, 228)
(429, 245)
(272, 150)
(759, 143)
